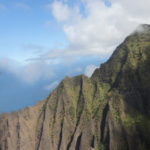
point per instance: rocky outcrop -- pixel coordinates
(109, 111)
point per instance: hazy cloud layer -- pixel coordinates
(30, 73)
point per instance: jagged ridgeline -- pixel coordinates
(109, 111)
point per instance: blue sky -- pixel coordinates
(23, 23)
(43, 41)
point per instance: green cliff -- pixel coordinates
(109, 111)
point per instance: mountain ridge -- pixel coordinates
(109, 111)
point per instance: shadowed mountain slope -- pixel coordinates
(109, 111)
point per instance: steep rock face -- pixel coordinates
(109, 111)
(17, 129)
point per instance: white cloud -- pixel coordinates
(60, 11)
(99, 29)
(89, 70)
(138, 8)
(63, 13)
(51, 86)
(142, 29)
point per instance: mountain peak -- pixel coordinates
(143, 28)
